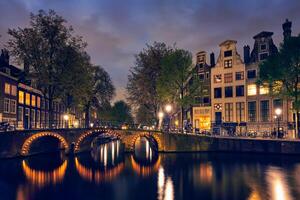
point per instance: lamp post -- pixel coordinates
(66, 118)
(168, 109)
(278, 112)
(160, 117)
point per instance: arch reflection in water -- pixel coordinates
(278, 186)
(165, 186)
(42, 178)
(144, 151)
(104, 163)
(108, 154)
(98, 175)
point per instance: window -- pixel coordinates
(205, 99)
(239, 76)
(7, 88)
(252, 111)
(218, 78)
(38, 102)
(228, 53)
(33, 100)
(6, 105)
(263, 90)
(228, 63)
(197, 99)
(13, 90)
(263, 56)
(207, 75)
(38, 119)
(240, 111)
(264, 110)
(251, 89)
(228, 91)
(251, 74)
(27, 99)
(21, 97)
(13, 106)
(20, 116)
(218, 93)
(239, 91)
(228, 78)
(263, 47)
(277, 103)
(200, 65)
(201, 76)
(32, 118)
(228, 112)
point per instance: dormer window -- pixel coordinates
(263, 56)
(228, 53)
(263, 47)
(7, 71)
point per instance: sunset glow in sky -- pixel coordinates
(117, 30)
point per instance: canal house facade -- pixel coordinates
(228, 99)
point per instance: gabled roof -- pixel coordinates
(263, 34)
(228, 42)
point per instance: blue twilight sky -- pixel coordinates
(117, 30)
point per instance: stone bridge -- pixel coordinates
(19, 143)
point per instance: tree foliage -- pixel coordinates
(142, 81)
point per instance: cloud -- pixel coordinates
(116, 30)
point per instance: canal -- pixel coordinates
(107, 173)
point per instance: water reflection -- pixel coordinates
(108, 154)
(42, 177)
(144, 151)
(105, 164)
(278, 187)
(165, 186)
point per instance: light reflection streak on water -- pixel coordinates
(147, 149)
(165, 186)
(277, 184)
(97, 175)
(113, 153)
(144, 170)
(41, 178)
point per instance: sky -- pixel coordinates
(117, 30)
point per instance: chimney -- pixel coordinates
(212, 59)
(287, 29)
(246, 54)
(4, 57)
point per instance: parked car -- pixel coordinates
(5, 126)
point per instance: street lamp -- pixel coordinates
(160, 115)
(66, 118)
(278, 112)
(168, 108)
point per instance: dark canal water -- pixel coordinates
(106, 173)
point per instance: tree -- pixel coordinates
(143, 116)
(39, 47)
(100, 93)
(143, 77)
(121, 112)
(176, 83)
(282, 73)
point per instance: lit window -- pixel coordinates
(27, 99)
(228, 63)
(251, 89)
(33, 100)
(263, 90)
(6, 105)
(13, 106)
(7, 88)
(218, 78)
(13, 90)
(21, 97)
(38, 102)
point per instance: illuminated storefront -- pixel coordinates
(201, 118)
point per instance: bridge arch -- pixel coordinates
(85, 134)
(27, 144)
(145, 134)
